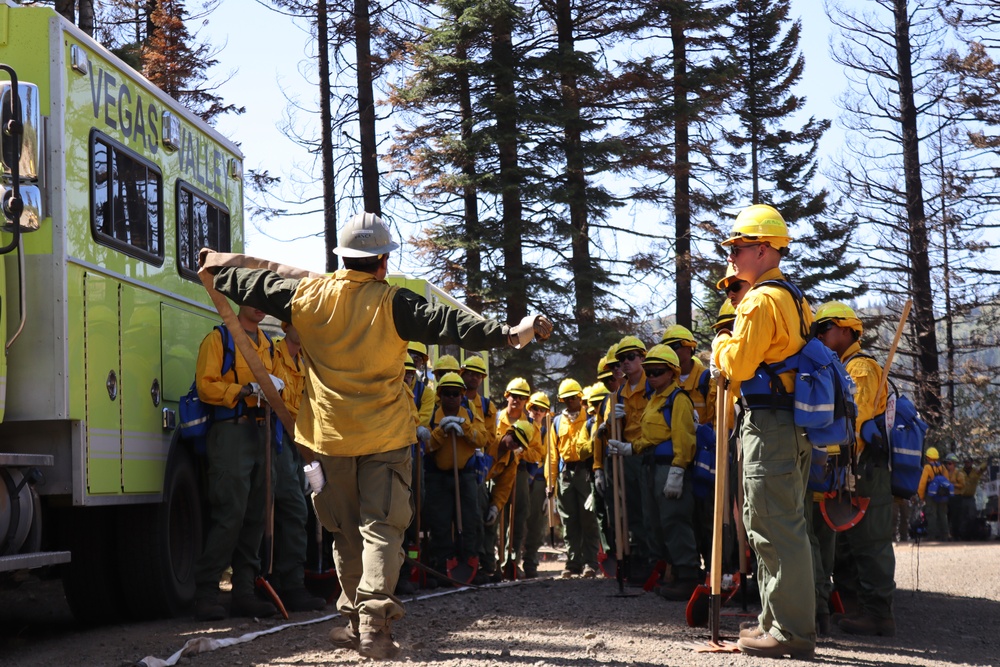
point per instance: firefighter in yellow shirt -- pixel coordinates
(609, 376)
(538, 406)
(503, 455)
(424, 396)
(235, 457)
(771, 326)
(474, 373)
(528, 463)
(867, 545)
(290, 509)
(629, 405)
(935, 504)
(574, 475)
(354, 329)
(666, 448)
(451, 419)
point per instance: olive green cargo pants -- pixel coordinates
(868, 545)
(291, 511)
(235, 458)
(776, 457)
(366, 506)
(579, 523)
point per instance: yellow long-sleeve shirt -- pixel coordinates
(599, 442)
(565, 441)
(866, 374)
(473, 437)
(535, 451)
(290, 370)
(972, 481)
(767, 329)
(634, 400)
(489, 417)
(681, 430)
(503, 472)
(704, 404)
(214, 388)
(427, 404)
(931, 470)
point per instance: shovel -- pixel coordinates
(715, 644)
(262, 581)
(460, 568)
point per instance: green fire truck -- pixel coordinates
(109, 189)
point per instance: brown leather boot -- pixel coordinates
(750, 629)
(345, 636)
(378, 645)
(766, 646)
(868, 625)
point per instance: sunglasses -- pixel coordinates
(657, 372)
(629, 356)
(450, 394)
(517, 397)
(735, 286)
(735, 249)
(824, 327)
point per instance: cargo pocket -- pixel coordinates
(396, 505)
(773, 488)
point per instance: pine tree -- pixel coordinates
(773, 164)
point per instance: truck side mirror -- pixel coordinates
(28, 154)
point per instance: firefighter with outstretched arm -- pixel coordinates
(354, 328)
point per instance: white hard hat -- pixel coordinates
(364, 235)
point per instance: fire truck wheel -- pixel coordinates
(159, 545)
(89, 578)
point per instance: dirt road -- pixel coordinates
(947, 611)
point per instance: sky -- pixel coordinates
(266, 52)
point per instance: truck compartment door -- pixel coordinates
(102, 367)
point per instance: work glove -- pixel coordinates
(448, 420)
(620, 448)
(675, 483)
(619, 411)
(549, 491)
(491, 516)
(423, 434)
(525, 331)
(453, 427)
(714, 370)
(599, 482)
(602, 429)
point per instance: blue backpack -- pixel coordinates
(196, 417)
(903, 447)
(823, 396)
(940, 489)
(703, 466)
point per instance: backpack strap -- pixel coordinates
(418, 393)
(668, 408)
(703, 382)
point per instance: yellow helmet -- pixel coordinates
(524, 431)
(451, 380)
(932, 454)
(598, 392)
(662, 354)
(570, 387)
(409, 365)
(518, 387)
(760, 222)
(604, 367)
(539, 400)
(841, 314)
(676, 333)
(586, 393)
(474, 363)
(417, 348)
(727, 315)
(446, 364)
(629, 344)
(729, 278)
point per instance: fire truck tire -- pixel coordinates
(159, 545)
(89, 579)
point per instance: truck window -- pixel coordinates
(202, 222)
(126, 207)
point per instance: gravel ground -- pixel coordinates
(947, 613)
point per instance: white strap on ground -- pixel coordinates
(205, 644)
